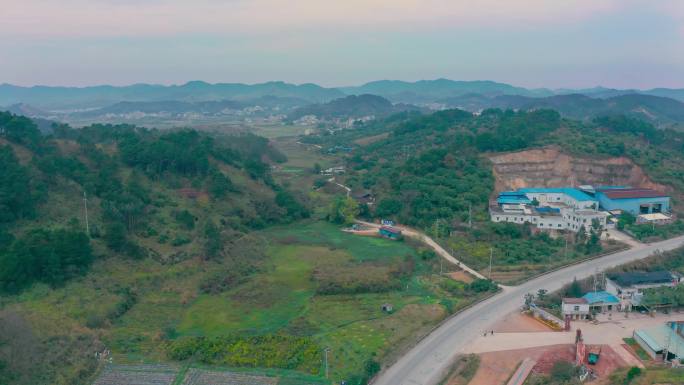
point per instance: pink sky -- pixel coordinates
(397, 38)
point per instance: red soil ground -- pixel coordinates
(497, 367)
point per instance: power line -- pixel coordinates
(85, 206)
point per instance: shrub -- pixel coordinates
(482, 285)
(563, 371)
(633, 372)
(266, 351)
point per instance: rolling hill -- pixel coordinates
(352, 107)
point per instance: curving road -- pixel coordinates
(406, 231)
(428, 361)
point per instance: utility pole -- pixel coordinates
(491, 255)
(326, 361)
(85, 205)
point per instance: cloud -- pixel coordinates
(110, 18)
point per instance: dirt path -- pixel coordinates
(409, 232)
(332, 180)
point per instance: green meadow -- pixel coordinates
(281, 298)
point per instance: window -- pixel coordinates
(559, 225)
(576, 308)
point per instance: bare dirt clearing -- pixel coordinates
(518, 322)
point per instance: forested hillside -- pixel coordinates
(160, 196)
(352, 107)
(433, 172)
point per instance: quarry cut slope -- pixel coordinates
(550, 167)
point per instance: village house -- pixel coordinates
(594, 302)
(575, 308)
(602, 302)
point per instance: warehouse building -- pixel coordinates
(635, 201)
(662, 342)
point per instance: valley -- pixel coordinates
(222, 251)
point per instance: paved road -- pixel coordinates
(409, 232)
(428, 361)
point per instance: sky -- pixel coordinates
(529, 43)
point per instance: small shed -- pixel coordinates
(387, 307)
(390, 232)
(655, 218)
(363, 197)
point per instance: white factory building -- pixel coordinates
(549, 208)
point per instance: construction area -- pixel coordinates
(522, 346)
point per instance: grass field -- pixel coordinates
(652, 375)
(281, 298)
(279, 130)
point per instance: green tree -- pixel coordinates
(388, 207)
(343, 211)
(50, 256)
(213, 244)
(219, 184)
(575, 290)
(115, 236)
(17, 199)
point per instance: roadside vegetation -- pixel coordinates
(648, 376)
(463, 370)
(649, 233)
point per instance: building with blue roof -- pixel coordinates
(573, 193)
(564, 208)
(636, 201)
(602, 302)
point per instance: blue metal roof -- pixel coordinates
(576, 194)
(547, 209)
(513, 198)
(600, 296)
(507, 193)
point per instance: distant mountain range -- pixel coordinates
(661, 106)
(655, 109)
(73, 98)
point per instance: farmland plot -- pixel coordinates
(206, 377)
(137, 375)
